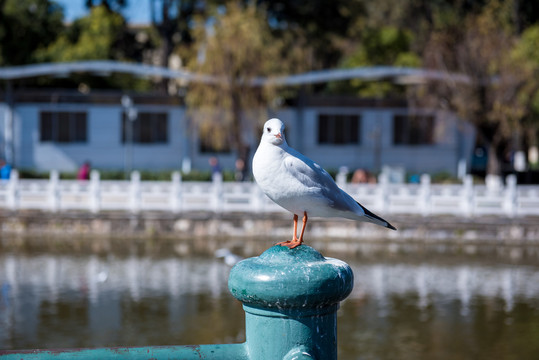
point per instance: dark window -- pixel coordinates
(147, 128)
(46, 126)
(80, 128)
(413, 129)
(63, 126)
(338, 129)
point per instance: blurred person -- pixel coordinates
(240, 173)
(360, 176)
(214, 164)
(5, 170)
(84, 171)
(415, 179)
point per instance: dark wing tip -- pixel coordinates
(389, 226)
(374, 216)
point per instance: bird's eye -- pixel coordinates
(268, 129)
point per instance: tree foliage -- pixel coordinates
(491, 97)
(92, 37)
(387, 45)
(101, 35)
(27, 25)
(525, 55)
(235, 48)
(322, 23)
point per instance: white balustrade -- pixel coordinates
(177, 196)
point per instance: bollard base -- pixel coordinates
(290, 298)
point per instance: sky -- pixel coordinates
(136, 12)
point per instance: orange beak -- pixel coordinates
(278, 135)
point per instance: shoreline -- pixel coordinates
(247, 234)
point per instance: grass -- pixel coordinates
(146, 175)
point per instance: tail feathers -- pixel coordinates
(376, 219)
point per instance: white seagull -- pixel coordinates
(300, 185)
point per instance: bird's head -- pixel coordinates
(273, 132)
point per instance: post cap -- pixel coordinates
(290, 278)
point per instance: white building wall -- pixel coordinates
(161, 156)
(104, 148)
(3, 114)
(26, 135)
(329, 156)
(376, 147)
(442, 156)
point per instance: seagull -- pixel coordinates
(301, 186)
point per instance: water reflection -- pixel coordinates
(63, 301)
(398, 309)
(430, 311)
(435, 285)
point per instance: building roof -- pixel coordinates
(112, 97)
(105, 67)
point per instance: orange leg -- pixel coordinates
(295, 241)
(303, 225)
(294, 237)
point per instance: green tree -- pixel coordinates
(27, 25)
(101, 35)
(525, 55)
(235, 49)
(378, 46)
(490, 97)
(172, 21)
(323, 23)
(90, 38)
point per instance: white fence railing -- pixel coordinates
(97, 195)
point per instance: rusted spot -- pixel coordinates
(39, 351)
(118, 350)
(196, 348)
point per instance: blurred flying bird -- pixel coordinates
(300, 185)
(228, 256)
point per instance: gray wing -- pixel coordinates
(319, 181)
(312, 175)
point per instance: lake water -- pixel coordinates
(453, 307)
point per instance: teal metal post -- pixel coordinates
(290, 298)
(189, 352)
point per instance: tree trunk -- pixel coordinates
(242, 149)
(491, 137)
(493, 164)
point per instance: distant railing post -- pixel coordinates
(217, 192)
(95, 191)
(134, 192)
(13, 190)
(290, 298)
(54, 191)
(467, 197)
(340, 179)
(383, 192)
(493, 183)
(424, 194)
(176, 188)
(510, 195)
